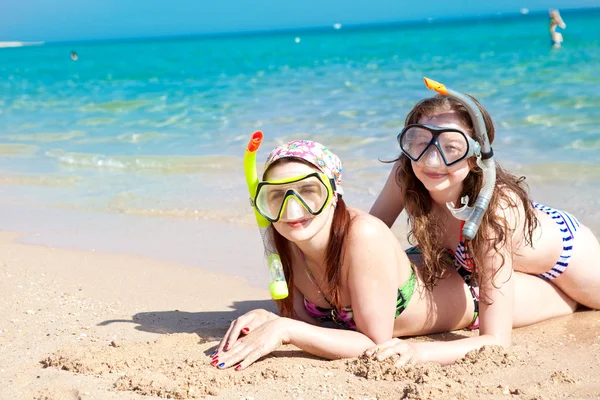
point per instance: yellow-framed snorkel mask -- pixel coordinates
(276, 200)
(289, 199)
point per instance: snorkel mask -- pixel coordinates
(417, 141)
(292, 198)
(485, 160)
(288, 199)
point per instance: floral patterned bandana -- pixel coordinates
(313, 152)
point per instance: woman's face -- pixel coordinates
(297, 224)
(431, 170)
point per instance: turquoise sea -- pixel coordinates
(157, 128)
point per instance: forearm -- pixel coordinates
(326, 342)
(448, 352)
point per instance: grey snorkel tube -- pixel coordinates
(485, 160)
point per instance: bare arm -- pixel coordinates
(372, 280)
(495, 312)
(389, 203)
(495, 317)
(370, 273)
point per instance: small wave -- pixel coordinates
(16, 149)
(173, 120)
(116, 106)
(98, 121)
(349, 113)
(46, 137)
(584, 144)
(131, 138)
(20, 44)
(558, 172)
(150, 164)
(561, 120)
(222, 215)
(132, 204)
(39, 180)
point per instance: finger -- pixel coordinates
(224, 340)
(250, 359)
(380, 347)
(405, 359)
(239, 326)
(400, 348)
(249, 326)
(232, 357)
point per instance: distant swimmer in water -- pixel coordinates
(74, 56)
(556, 26)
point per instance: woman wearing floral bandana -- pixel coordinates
(346, 269)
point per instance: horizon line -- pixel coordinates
(308, 29)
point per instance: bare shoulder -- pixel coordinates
(367, 227)
(512, 213)
(371, 245)
(510, 207)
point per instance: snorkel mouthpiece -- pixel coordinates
(472, 215)
(278, 285)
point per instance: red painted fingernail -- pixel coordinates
(238, 367)
(215, 361)
(245, 330)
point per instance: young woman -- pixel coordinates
(345, 267)
(437, 168)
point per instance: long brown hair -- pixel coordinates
(494, 230)
(334, 255)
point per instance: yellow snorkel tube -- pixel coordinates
(472, 215)
(278, 285)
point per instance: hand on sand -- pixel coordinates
(244, 325)
(409, 352)
(257, 343)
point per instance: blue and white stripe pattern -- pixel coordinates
(567, 224)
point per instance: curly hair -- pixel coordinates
(494, 231)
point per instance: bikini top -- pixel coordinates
(345, 316)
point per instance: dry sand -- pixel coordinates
(85, 325)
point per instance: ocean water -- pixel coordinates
(158, 128)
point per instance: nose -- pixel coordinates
(293, 210)
(432, 158)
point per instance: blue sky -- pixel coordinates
(73, 20)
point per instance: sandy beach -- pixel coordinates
(78, 324)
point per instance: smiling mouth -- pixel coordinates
(297, 224)
(433, 175)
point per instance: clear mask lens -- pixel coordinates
(416, 141)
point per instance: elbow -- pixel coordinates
(503, 340)
(378, 339)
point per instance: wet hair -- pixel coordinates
(334, 255)
(494, 230)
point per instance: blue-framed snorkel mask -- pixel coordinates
(485, 160)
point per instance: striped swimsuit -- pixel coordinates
(567, 224)
(464, 264)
